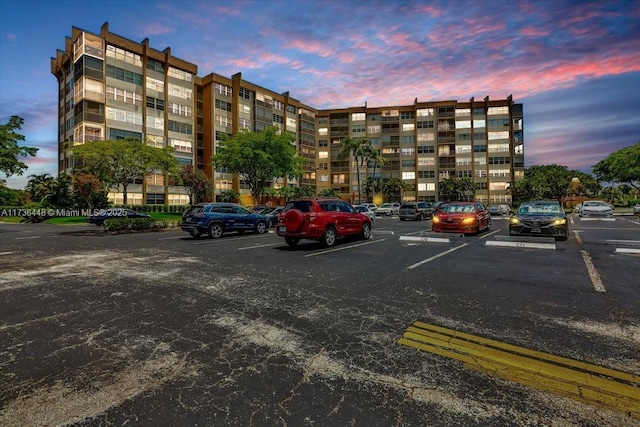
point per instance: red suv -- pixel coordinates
(321, 219)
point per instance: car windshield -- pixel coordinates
(458, 208)
(540, 208)
(386, 205)
(594, 204)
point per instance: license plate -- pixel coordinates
(282, 229)
(535, 230)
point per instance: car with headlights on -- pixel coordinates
(540, 218)
(322, 219)
(216, 219)
(596, 208)
(462, 217)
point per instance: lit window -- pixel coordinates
(323, 154)
(408, 175)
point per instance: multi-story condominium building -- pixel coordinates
(423, 143)
(112, 88)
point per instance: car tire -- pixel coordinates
(261, 227)
(215, 230)
(365, 234)
(291, 241)
(329, 237)
(293, 220)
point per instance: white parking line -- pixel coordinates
(578, 238)
(520, 244)
(342, 248)
(625, 242)
(25, 238)
(593, 273)
(425, 239)
(627, 251)
(411, 267)
(632, 222)
(259, 246)
(597, 219)
(6, 253)
(484, 236)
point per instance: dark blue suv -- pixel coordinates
(218, 218)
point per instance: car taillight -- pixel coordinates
(200, 215)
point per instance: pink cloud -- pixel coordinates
(429, 10)
(312, 47)
(534, 32)
(155, 29)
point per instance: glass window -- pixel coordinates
(358, 116)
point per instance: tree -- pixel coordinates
(622, 166)
(121, 162)
(329, 192)
(60, 193)
(374, 159)
(88, 191)
(303, 191)
(258, 158)
(196, 183)
(393, 188)
(355, 147)
(39, 186)
(447, 189)
(10, 150)
(229, 196)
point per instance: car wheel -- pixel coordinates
(261, 227)
(215, 230)
(291, 241)
(329, 237)
(366, 231)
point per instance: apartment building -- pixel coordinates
(423, 143)
(112, 88)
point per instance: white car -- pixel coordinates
(388, 209)
(596, 208)
(636, 209)
(364, 210)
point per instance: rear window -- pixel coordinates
(194, 210)
(301, 205)
(411, 206)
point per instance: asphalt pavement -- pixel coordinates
(409, 328)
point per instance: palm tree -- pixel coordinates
(393, 187)
(354, 147)
(39, 186)
(373, 157)
(448, 189)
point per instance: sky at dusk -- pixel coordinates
(575, 65)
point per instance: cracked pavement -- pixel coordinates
(132, 329)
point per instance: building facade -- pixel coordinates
(422, 144)
(114, 88)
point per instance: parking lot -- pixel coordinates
(162, 329)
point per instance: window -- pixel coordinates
(123, 55)
(180, 74)
(358, 128)
(155, 84)
(406, 115)
(409, 151)
(124, 75)
(479, 124)
(426, 149)
(155, 141)
(323, 131)
(374, 129)
(408, 127)
(323, 154)
(115, 134)
(426, 174)
(426, 161)
(152, 102)
(154, 65)
(408, 175)
(223, 121)
(124, 116)
(155, 122)
(223, 89)
(463, 112)
(461, 149)
(463, 124)
(498, 110)
(499, 135)
(426, 124)
(479, 111)
(479, 148)
(339, 178)
(123, 95)
(424, 112)
(323, 143)
(223, 105)
(181, 110)
(499, 160)
(498, 123)
(425, 137)
(358, 116)
(180, 127)
(180, 91)
(182, 145)
(431, 186)
(497, 148)
(407, 139)
(244, 93)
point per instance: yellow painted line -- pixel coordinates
(582, 381)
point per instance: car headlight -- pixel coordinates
(559, 221)
(514, 220)
(435, 220)
(471, 220)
